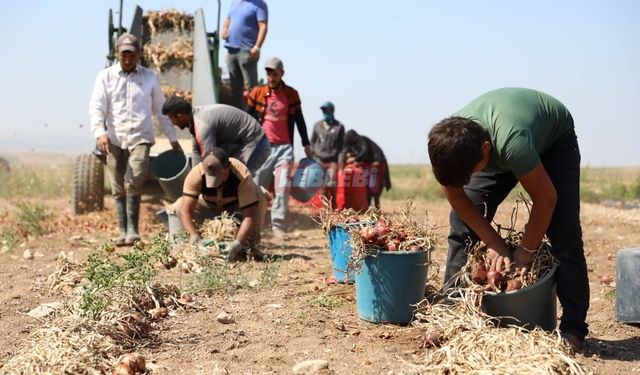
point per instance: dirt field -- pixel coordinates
(277, 327)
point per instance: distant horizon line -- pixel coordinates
(13, 153)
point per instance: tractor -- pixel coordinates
(197, 77)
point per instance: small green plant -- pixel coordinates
(327, 301)
(269, 275)
(214, 276)
(108, 272)
(31, 218)
(303, 315)
(9, 238)
(610, 295)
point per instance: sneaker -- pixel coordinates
(573, 341)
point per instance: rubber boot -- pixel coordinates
(176, 234)
(133, 215)
(121, 213)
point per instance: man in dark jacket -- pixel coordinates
(360, 149)
(326, 141)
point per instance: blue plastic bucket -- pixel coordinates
(628, 285)
(532, 306)
(170, 168)
(340, 251)
(390, 284)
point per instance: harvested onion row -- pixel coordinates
(67, 276)
(464, 340)
(69, 345)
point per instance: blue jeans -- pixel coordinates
(259, 155)
(243, 72)
(276, 169)
(562, 163)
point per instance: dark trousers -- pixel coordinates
(487, 190)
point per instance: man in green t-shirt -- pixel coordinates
(503, 137)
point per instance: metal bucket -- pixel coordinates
(170, 168)
(628, 285)
(532, 306)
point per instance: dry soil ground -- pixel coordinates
(301, 317)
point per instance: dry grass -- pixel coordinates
(68, 345)
(464, 340)
(329, 218)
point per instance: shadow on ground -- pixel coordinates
(622, 350)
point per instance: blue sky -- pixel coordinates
(392, 68)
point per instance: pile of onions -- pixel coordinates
(134, 325)
(493, 280)
(130, 364)
(386, 237)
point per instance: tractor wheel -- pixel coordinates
(88, 184)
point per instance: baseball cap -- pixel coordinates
(327, 105)
(274, 63)
(127, 42)
(213, 171)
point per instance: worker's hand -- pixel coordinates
(254, 53)
(103, 144)
(235, 251)
(176, 146)
(499, 260)
(308, 151)
(194, 240)
(523, 259)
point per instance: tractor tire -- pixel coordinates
(88, 184)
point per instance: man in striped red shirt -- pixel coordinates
(277, 106)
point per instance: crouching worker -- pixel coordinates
(220, 183)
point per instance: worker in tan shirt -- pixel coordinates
(220, 183)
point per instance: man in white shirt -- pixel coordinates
(124, 97)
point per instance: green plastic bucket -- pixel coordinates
(390, 284)
(170, 169)
(529, 307)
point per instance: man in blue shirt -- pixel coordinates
(244, 30)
